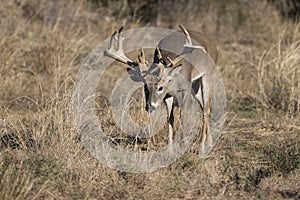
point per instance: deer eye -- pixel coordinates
(160, 88)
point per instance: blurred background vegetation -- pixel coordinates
(155, 11)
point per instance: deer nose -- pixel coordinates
(148, 105)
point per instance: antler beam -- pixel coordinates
(118, 53)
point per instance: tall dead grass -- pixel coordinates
(277, 75)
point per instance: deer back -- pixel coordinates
(175, 42)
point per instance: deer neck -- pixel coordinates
(187, 72)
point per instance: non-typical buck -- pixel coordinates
(170, 78)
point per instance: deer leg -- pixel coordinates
(205, 129)
(205, 135)
(170, 108)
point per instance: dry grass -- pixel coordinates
(42, 45)
(277, 75)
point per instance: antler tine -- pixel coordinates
(142, 58)
(118, 53)
(111, 39)
(174, 62)
(157, 56)
(160, 59)
(120, 44)
(188, 37)
(188, 46)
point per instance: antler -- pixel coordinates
(157, 56)
(118, 53)
(187, 48)
(141, 58)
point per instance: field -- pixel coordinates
(42, 46)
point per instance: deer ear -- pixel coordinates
(175, 71)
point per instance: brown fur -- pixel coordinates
(175, 42)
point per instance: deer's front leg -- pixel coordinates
(170, 108)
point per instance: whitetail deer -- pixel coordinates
(198, 79)
(161, 80)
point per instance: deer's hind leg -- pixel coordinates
(203, 96)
